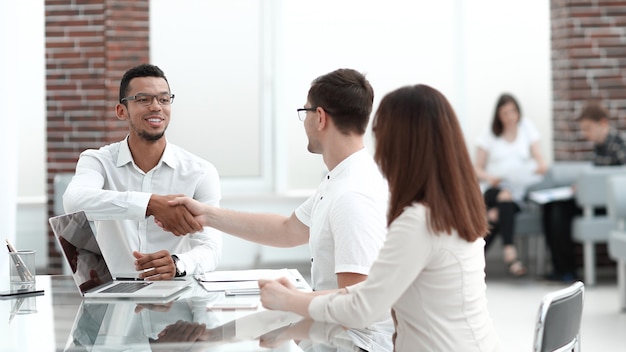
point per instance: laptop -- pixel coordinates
(90, 271)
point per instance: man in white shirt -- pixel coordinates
(344, 222)
(123, 185)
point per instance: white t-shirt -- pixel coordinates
(435, 283)
(114, 193)
(511, 161)
(346, 219)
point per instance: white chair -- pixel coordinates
(590, 229)
(60, 182)
(616, 206)
(558, 320)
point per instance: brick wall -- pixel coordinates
(588, 62)
(89, 45)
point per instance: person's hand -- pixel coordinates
(541, 169)
(155, 307)
(155, 266)
(197, 209)
(297, 331)
(175, 219)
(274, 293)
(183, 333)
(494, 181)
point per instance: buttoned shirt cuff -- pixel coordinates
(138, 204)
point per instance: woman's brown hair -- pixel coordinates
(496, 125)
(421, 151)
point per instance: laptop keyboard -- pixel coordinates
(126, 287)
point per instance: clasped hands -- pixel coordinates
(171, 216)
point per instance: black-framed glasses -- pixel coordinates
(302, 112)
(147, 99)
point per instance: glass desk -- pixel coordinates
(61, 320)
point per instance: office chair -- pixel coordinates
(558, 320)
(589, 228)
(616, 206)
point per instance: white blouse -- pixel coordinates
(435, 283)
(512, 161)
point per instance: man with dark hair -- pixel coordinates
(609, 150)
(344, 222)
(609, 147)
(123, 185)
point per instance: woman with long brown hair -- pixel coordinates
(430, 271)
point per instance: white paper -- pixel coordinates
(243, 275)
(550, 195)
(247, 280)
(229, 285)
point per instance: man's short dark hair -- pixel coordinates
(143, 70)
(346, 96)
(594, 111)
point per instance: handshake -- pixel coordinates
(178, 214)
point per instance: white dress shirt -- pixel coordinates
(435, 283)
(114, 193)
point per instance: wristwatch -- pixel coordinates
(180, 266)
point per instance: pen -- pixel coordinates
(16, 308)
(22, 270)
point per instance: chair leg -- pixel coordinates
(589, 262)
(621, 283)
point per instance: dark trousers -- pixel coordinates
(557, 227)
(506, 217)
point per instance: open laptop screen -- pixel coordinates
(81, 250)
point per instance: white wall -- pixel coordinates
(22, 139)
(470, 53)
(240, 68)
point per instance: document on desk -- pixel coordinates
(236, 282)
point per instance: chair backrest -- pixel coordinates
(591, 185)
(565, 173)
(61, 181)
(616, 199)
(558, 320)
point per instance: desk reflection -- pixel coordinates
(131, 325)
(187, 325)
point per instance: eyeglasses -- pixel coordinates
(302, 112)
(147, 99)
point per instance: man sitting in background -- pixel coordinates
(609, 150)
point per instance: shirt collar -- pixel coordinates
(345, 163)
(125, 156)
